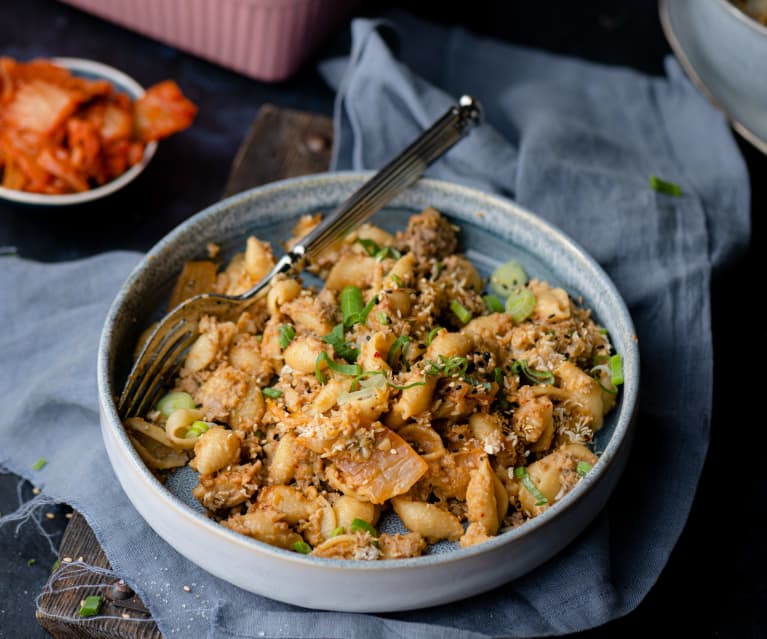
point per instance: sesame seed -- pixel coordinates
(35, 491)
(67, 560)
(187, 589)
(125, 615)
(50, 515)
(68, 515)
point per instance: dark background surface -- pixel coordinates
(714, 584)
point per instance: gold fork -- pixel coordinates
(166, 347)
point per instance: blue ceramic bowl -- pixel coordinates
(493, 230)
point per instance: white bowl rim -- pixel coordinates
(124, 82)
(621, 434)
(679, 51)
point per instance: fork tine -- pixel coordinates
(172, 361)
(151, 359)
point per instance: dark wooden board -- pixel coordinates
(281, 143)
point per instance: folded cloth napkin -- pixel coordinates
(572, 141)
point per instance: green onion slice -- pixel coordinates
(340, 530)
(346, 350)
(520, 304)
(539, 377)
(360, 525)
(40, 464)
(302, 547)
(662, 186)
(370, 383)
(493, 303)
(344, 369)
(370, 246)
(174, 401)
(91, 606)
(197, 428)
(286, 334)
(432, 334)
(387, 251)
(582, 468)
(31, 562)
(400, 346)
(616, 370)
(521, 473)
(461, 312)
(351, 304)
(508, 277)
(274, 393)
(383, 318)
(397, 280)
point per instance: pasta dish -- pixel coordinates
(398, 385)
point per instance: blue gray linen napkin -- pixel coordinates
(572, 141)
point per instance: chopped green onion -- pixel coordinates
(493, 303)
(662, 186)
(503, 403)
(370, 246)
(603, 331)
(344, 369)
(91, 606)
(539, 377)
(520, 304)
(367, 308)
(582, 468)
(40, 464)
(447, 366)
(387, 251)
(383, 318)
(286, 334)
(340, 530)
(351, 304)
(360, 525)
(508, 277)
(401, 346)
(369, 389)
(260, 434)
(521, 473)
(461, 312)
(197, 428)
(302, 547)
(616, 370)
(31, 562)
(174, 401)
(396, 279)
(432, 334)
(346, 350)
(55, 565)
(274, 393)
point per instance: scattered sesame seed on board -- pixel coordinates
(187, 589)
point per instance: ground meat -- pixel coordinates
(401, 546)
(222, 392)
(428, 236)
(229, 487)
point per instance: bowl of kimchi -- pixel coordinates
(456, 494)
(75, 130)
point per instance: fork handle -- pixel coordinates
(395, 177)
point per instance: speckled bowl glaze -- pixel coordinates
(123, 83)
(493, 230)
(724, 52)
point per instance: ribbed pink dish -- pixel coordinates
(264, 39)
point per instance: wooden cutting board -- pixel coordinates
(281, 143)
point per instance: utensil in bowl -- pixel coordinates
(166, 347)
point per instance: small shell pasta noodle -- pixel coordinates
(215, 449)
(429, 521)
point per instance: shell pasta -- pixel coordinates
(398, 387)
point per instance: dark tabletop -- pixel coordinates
(713, 585)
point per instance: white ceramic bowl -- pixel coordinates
(123, 83)
(724, 52)
(502, 230)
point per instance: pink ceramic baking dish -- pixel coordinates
(265, 39)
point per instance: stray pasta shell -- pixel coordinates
(215, 449)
